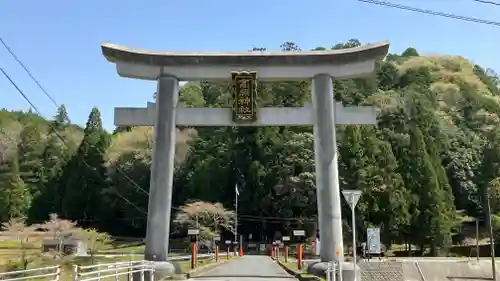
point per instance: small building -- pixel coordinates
(70, 246)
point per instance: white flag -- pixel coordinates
(236, 190)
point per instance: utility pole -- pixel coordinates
(197, 241)
(492, 242)
(477, 238)
(236, 193)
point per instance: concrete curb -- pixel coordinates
(203, 269)
(299, 275)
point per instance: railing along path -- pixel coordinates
(50, 273)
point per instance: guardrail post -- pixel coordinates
(58, 273)
(130, 274)
(328, 271)
(143, 268)
(116, 272)
(151, 270)
(335, 271)
(75, 272)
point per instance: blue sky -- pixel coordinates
(60, 41)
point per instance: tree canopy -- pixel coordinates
(432, 157)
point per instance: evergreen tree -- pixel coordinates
(424, 181)
(87, 174)
(30, 164)
(54, 157)
(14, 196)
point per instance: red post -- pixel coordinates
(286, 253)
(241, 251)
(227, 253)
(216, 253)
(299, 256)
(193, 255)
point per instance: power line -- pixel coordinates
(243, 217)
(26, 69)
(487, 2)
(430, 12)
(57, 105)
(59, 136)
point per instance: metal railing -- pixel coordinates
(92, 272)
(42, 273)
(332, 272)
(113, 271)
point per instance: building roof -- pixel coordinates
(116, 53)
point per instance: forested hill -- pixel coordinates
(426, 165)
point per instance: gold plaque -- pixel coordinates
(244, 96)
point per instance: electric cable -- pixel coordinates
(16, 58)
(58, 135)
(430, 12)
(487, 2)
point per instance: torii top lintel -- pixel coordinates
(342, 63)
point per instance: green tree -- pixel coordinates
(14, 196)
(29, 149)
(87, 175)
(53, 158)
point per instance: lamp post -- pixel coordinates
(352, 197)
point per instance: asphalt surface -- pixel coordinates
(247, 268)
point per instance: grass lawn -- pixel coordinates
(125, 249)
(10, 256)
(293, 266)
(11, 250)
(67, 264)
(185, 266)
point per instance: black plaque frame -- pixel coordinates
(244, 106)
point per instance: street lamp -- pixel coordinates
(352, 197)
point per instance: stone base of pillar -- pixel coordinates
(319, 268)
(163, 269)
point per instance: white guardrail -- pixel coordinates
(332, 271)
(43, 273)
(103, 271)
(115, 271)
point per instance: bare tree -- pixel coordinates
(60, 229)
(17, 228)
(211, 215)
(209, 218)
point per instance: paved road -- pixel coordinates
(247, 268)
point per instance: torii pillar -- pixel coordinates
(169, 68)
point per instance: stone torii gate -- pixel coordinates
(168, 68)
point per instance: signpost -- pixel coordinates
(286, 240)
(352, 197)
(299, 235)
(228, 243)
(244, 96)
(373, 241)
(216, 242)
(235, 247)
(193, 234)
